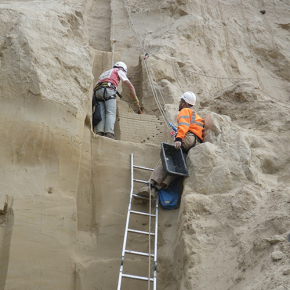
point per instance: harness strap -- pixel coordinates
(118, 94)
(94, 100)
(109, 98)
(105, 89)
(105, 85)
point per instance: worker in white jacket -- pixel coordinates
(105, 92)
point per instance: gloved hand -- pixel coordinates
(136, 103)
(177, 144)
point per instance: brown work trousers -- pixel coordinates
(159, 175)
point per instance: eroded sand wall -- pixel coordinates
(6, 226)
(98, 259)
(70, 188)
(45, 83)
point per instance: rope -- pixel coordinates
(163, 114)
(175, 71)
(183, 69)
(201, 74)
(113, 32)
(151, 72)
(149, 266)
(164, 117)
(130, 19)
(150, 211)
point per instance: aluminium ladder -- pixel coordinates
(149, 233)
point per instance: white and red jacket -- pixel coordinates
(113, 76)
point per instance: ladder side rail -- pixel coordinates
(126, 227)
(155, 245)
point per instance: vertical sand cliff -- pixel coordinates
(64, 191)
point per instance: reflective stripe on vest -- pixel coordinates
(189, 120)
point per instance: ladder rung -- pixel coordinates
(137, 277)
(139, 253)
(142, 213)
(140, 232)
(144, 197)
(141, 167)
(141, 181)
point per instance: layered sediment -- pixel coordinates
(64, 191)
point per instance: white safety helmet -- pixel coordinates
(122, 65)
(189, 98)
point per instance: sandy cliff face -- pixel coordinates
(64, 191)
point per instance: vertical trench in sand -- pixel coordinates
(111, 186)
(6, 226)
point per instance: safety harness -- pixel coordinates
(105, 86)
(97, 117)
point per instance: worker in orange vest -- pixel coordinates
(189, 134)
(190, 124)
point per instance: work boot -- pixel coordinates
(110, 135)
(144, 193)
(100, 133)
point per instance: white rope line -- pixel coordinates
(130, 19)
(162, 113)
(165, 113)
(165, 117)
(201, 74)
(175, 71)
(154, 92)
(183, 69)
(113, 32)
(155, 96)
(138, 37)
(148, 72)
(150, 211)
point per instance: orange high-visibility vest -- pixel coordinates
(189, 120)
